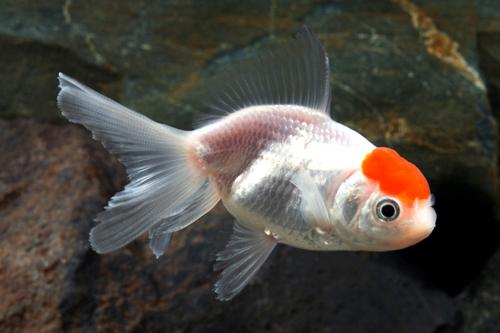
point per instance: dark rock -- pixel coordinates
(29, 82)
(158, 48)
(403, 73)
(489, 52)
(479, 309)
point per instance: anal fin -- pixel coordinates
(158, 242)
(244, 254)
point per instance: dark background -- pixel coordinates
(422, 76)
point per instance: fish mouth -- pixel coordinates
(418, 236)
(422, 227)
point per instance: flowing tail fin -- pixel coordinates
(166, 193)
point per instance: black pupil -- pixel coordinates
(388, 210)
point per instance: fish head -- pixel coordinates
(388, 223)
(389, 204)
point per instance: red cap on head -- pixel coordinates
(396, 176)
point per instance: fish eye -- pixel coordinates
(387, 210)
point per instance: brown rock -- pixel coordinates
(52, 181)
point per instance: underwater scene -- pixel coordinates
(288, 166)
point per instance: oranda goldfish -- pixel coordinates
(281, 166)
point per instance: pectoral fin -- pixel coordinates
(312, 204)
(245, 253)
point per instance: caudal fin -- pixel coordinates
(166, 191)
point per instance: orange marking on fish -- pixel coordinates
(395, 175)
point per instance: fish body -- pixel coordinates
(255, 153)
(279, 163)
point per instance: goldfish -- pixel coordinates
(282, 167)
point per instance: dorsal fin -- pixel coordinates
(296, 74)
